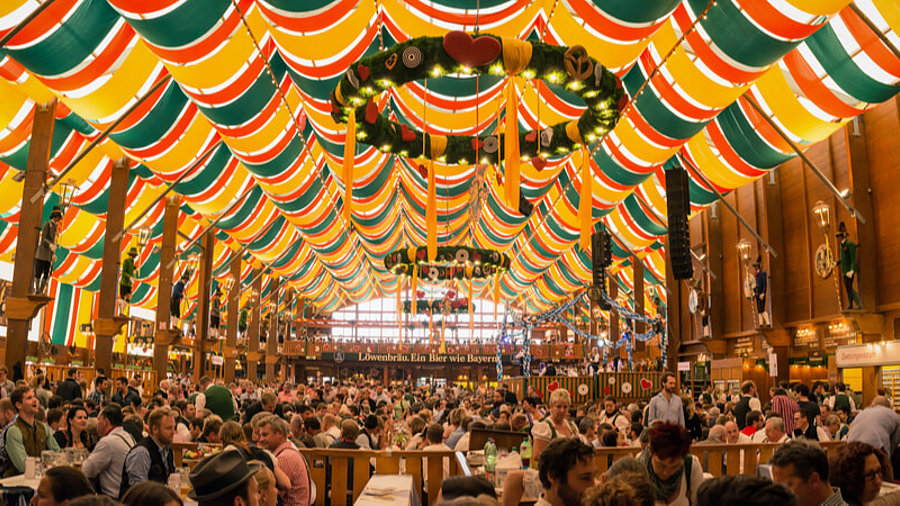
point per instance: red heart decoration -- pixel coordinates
(538, 163)
(477, 143)
(499, 179)
(471, 52)
(371, 112)
(363, 72)
(646, 384)
(622, 102)
(553, 386)
(606, 390)
(423, 171)
(407, 134)
(531, 136)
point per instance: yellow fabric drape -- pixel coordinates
(511, 138)
(349, 154)
(415, 279)
(586, 202)
(496, 294)
(471, 309)
(399, 313)
(443, 331)
(431, 214)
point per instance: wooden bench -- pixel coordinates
(717, 460)
(417, 463)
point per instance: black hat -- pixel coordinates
(842, 230)
(56, 212)
(371, 422)
(758, 261)
(219, 474)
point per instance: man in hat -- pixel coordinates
(225, 478)
(849, 266)
(126, 280)
(177, 295)
(760, 293)
(46, 250)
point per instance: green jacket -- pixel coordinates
(848, 257)
(127, 272)
(220, 401)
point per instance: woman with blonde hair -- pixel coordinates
(554, 425)
(268, 492)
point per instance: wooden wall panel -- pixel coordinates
(881, 126)
(731, 288)
(793, 205)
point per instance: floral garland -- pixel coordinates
(460, 262)
(457, 52)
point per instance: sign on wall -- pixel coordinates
(864, 355)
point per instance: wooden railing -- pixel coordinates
(717, 460)
(555, 351)
(58, 372)
(426, 468)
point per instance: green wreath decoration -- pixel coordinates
(451, 262)
(458, 52)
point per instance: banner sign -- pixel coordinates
(430, 358)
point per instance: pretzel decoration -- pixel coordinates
(578, 64)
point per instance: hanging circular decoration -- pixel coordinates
(583, 389)
(451, 262)
(457, 52)
(626, 388)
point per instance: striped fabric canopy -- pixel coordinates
(250, 82)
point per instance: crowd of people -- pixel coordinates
(128, 433)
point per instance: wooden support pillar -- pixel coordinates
(253, 354)
(207, 245)
(164, 334)
(638, 271)
(673, 314)
(715, 285)
(234, 310)
(272, 336)
(108, 323)
(613, 314)
(21, 306)
(858, 162)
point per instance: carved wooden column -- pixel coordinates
(21, 306)
(253, 354)
(234, 310)
(613, 333)
(108, 323)
(165, 336)
(207, 245)
(638, 279)
(272, 335)
(673, 315)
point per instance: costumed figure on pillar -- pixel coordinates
(215, 312)
(126, 280)
(849, 266)
(177, 296)
(760, 294)
(46, 251)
